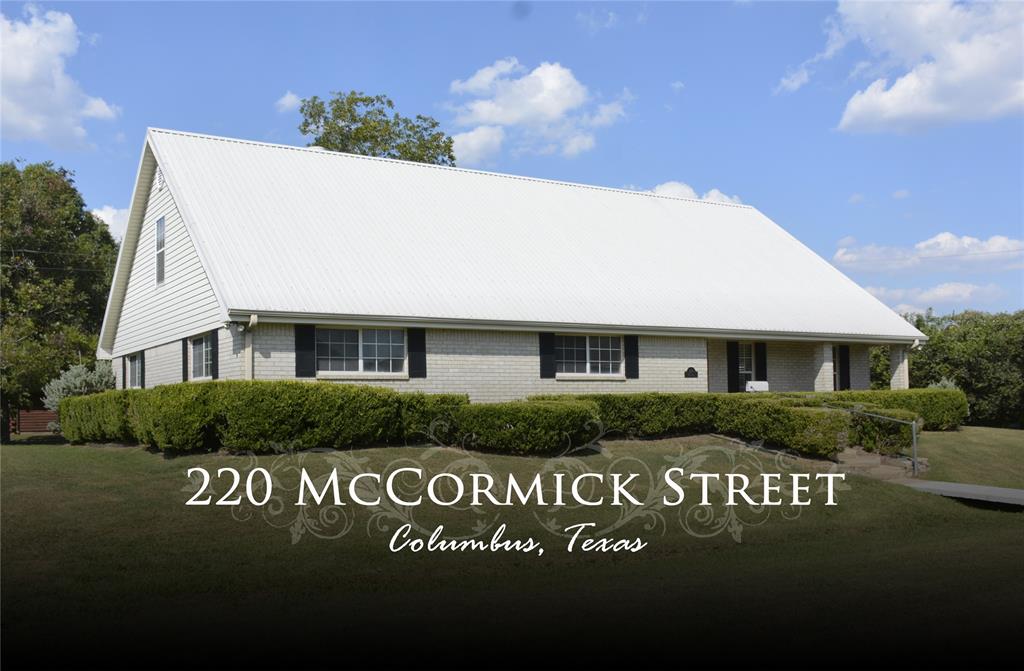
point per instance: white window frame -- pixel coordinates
(361, 373)
(620, 375)
(207, 341)
(752, 372)
(160, 268)
(134, 368)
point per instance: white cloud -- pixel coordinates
(684, 190)
(545, 110)
(950, 294)
(933, 62)
(945, 250)
(677, 86)
(484, 79)
(900, 194)
(39, 99)
(597, 20)
(476, 146)
(116, 219)
(289, 102)
(836, 38)
(856, 198)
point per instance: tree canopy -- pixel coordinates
(55, 271)
(979, 352)
(357, 123)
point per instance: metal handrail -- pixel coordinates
(913, 430)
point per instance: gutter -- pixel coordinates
(282, 317)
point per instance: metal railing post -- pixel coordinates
(913, 438)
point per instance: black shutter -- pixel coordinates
(417, 352)
(844, 366)
(124, 373)
(547, 354)
(142, 369)
(214, 353)
(732, 362)
(631, 349)
(184, 359)
(305, 350)
(761, 361)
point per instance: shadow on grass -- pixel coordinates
(37, 439)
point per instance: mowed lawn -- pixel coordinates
(975, 455)
(100, 553)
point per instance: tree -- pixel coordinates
(357, 123)
(55, 270)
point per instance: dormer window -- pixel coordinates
(160, 250)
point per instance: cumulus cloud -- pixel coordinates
(900, 194)
(934, 62)
(289, 102)
(39, 100)
(684, 190)
(856, 198)
(478, 145)
(545, 110)
(947, 294)
(945, 250)
(677, 86)
(116, 219)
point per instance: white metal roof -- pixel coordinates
(304, 231)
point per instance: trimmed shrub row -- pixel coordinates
(798, 421)
(261, 415)
(258, 415)
(521, 427)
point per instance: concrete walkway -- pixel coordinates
(1013, 497)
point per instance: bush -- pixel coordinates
(174, 417)
(941, 409)
(810, 430)
(77, 380)
(521, 427)
(97, 417)
(259, 415)
(430, 416)
(652, 414)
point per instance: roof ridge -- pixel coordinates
(486, 173)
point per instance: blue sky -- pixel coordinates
(889, 138)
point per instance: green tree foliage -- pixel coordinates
(55, 270)
(979, 352)
(357, 123)
(982, 354)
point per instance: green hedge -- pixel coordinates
(651, 414)
(941, 409)
(98, 417)
(258, 416)
(521, 427)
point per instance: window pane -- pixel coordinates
(605, 354)
(337, 349)
(198, 357)
(383, 350)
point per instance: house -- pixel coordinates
(247, 260)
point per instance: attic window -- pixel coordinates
(160, 250)
(159, 179)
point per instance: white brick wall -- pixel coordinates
(860, 367)
(501, 365)
(899, 367)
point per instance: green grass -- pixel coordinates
(98, 545)
(975, 455)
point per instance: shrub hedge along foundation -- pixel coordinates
(263, 416)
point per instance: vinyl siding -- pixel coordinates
(184, 304)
